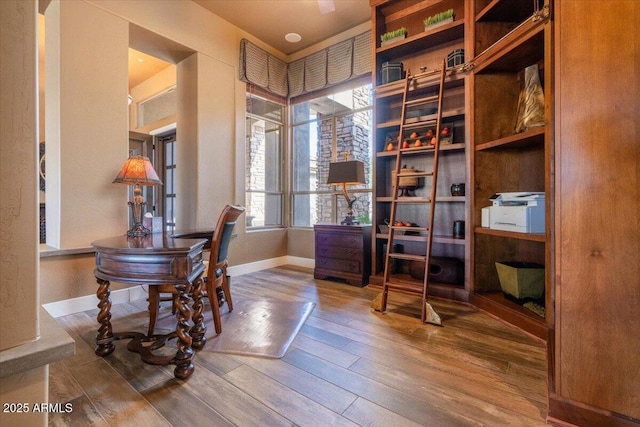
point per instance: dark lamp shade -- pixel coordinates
(349, 172)
(137, 170)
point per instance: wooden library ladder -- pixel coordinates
(408, 128)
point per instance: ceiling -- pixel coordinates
(271, 20)
(143, 66)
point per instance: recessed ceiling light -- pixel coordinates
(293, 37)
(140, 60)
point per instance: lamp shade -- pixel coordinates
(137, 170)
(348, 172)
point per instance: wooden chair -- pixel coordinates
(215, 275)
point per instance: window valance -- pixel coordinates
(336, 64)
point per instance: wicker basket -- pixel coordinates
(521, 279)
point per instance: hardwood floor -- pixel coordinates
(347, 366)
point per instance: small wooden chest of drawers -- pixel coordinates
(343, 252)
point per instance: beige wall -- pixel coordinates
(19, 208)
(69, 276)
(301, 242)
(86, 123)
(18, 183)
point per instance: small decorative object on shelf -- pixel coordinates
(393, 36)
(439, 19)
(457, 189)
(407, 185)
(446, 134)
(458, 229)
(392, 71)
(455, 58)
(152, 223)
(416, 115)
(389, 144)
(384, 228)
(531, 101)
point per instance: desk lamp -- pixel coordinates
(137, 171)
(347, 172)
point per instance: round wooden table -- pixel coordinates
(155, 259)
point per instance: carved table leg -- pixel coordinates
(198, 330)
(105, 337)
(184, 367)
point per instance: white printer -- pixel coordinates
(520, 211)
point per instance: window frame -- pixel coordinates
(337, 193)
(254, 92)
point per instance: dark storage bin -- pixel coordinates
(455, 58)
(391, 71)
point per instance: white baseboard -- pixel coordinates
(88, 302)
(301, 262)
(252, 267)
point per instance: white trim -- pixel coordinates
(89, 302)
(163, 129)
(301, 262)
(252, 267)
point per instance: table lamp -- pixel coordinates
(347, 172)
(137, 171)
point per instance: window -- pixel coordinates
(324, 130)
(157, 107)
(264, 163)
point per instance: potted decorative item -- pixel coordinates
(393, 36)
(439, 19)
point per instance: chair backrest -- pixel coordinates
(222, 236)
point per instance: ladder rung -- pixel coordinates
(414, 174)
(417, 149)
(415, 122)
(429, 73)
(424, 100)
(408, 257)
(407, 287)
(407, 199)
(409, 228)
